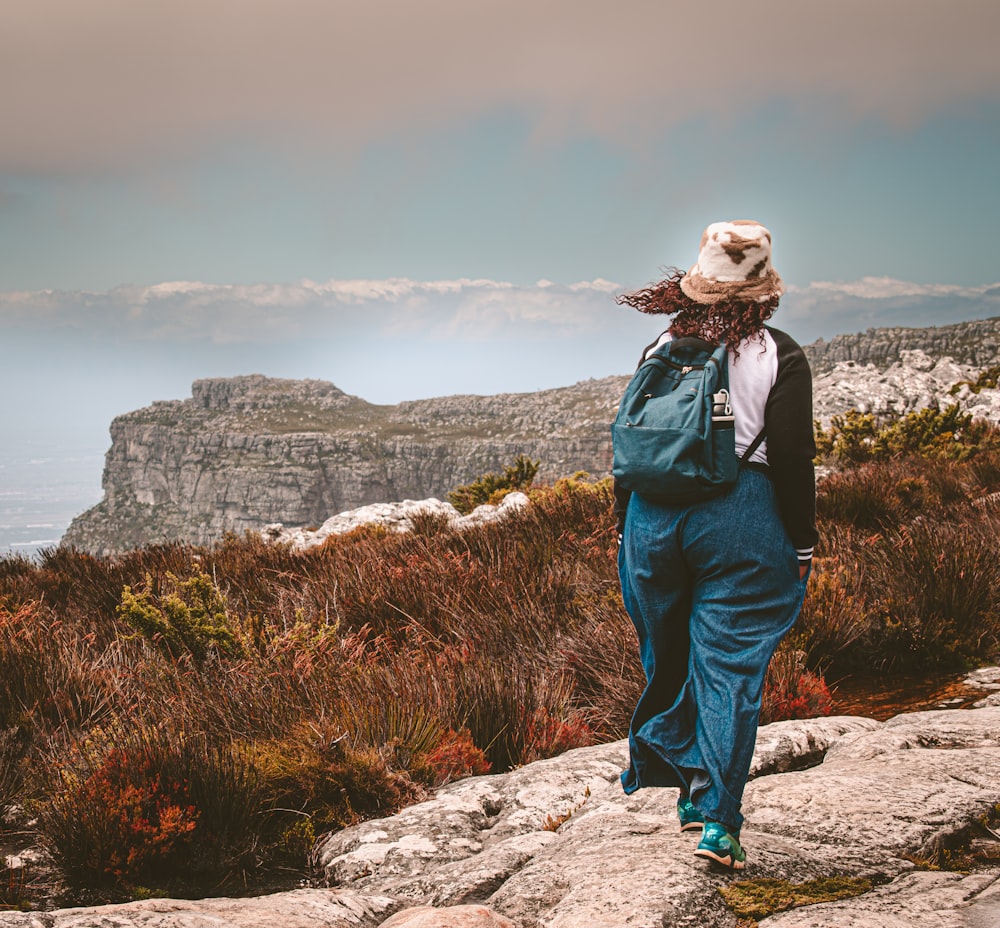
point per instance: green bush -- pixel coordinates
(850, 438)
(182, 617)
(490, 488)
(857, 437)
(938, 433)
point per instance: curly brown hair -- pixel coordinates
(729, 321)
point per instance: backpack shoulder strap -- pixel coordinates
(753, 446)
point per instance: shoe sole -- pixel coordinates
(693, 826)
(728, 861)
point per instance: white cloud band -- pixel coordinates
(459, 311)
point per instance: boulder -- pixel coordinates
(396, 517)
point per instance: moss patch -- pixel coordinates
(759, 898)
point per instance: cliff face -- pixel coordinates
(246, 451)
(976, 344)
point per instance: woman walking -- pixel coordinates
(713, 586)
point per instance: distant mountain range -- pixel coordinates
(244, 452)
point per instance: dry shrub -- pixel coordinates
(14, 885)
(552, 733)
(135, 806)
(602, 659)
(507, 710)
(384, 709)
(51, 678)
(426, 522)
(791, 691)
(887, 494)
(454, 757)
(13, 746)
(936, 592)
(380, 664)
(834, 616)
(316, 774)
(985, 471)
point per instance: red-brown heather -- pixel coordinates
(191, 718)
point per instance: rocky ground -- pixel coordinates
(910, 804)
(397, 517)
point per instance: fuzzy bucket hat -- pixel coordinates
(734, 263)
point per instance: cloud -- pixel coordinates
(111, 83)
(451, 314)
(824, 308)
(880, 288)
(185, 311)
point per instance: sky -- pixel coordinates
(413, 199)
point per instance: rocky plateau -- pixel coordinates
(246, 452)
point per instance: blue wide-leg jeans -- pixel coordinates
(712, 588)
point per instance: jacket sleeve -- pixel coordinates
(791, 444)
(622, 496)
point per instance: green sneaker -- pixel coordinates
(691, 818)
(718, 845)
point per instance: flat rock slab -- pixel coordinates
(494, 824)
(302, 908)
(459, 916)
(987, 678)
(557, 844)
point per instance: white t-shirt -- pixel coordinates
(751, 377)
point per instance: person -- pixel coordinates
(712, 587)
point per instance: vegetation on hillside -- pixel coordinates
(491, 488)
(187, 720)
(950, 434)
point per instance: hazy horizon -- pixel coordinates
(50, 475)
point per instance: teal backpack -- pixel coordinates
(674, 437)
